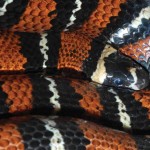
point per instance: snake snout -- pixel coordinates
(135, 78)
(123, 72)
(142, 79)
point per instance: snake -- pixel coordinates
(74, 74)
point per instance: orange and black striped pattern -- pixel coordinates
(83, 39)
(84, 46)
(33, 93)
(32, 132)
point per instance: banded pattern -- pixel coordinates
(131, 29)
(39, 15)
(137, 29)
(31, 16)
(64, 133)
(11, 11)
(33, 38)
(127, 108)
(58, 15)
(101, 17)
(61, 51)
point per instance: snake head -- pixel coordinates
(114, 69)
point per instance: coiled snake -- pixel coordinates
(87, 59)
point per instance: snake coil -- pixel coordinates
(80, 60)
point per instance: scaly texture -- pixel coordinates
(139, 51)
(34, 52)
(25, 93)
(64, 133)
(75, 38)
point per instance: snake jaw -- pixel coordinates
(135, 78)
(116, 70)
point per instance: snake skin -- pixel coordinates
(126, 108)
(51, 50)
(43, 133)
(105, 43)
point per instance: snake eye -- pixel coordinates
(118, 82)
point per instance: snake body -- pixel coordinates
(38, 132)
(104, 44)
(126, 108)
